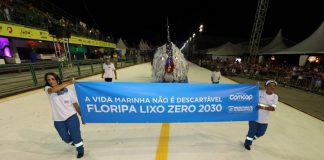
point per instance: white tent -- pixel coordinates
(227, 49)
(143, 46)
(312, 44)
(121, 45)
(277, 44)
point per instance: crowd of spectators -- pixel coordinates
(26, 13)
(308, 77)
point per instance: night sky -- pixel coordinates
(147, 20)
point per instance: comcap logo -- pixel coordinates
(240, 97)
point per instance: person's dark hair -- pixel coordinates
(57, 78)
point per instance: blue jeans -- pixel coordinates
(69, 131)
(256, 130)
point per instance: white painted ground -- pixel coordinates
(27, 132)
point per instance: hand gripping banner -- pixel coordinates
(131, 102)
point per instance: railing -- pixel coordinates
(16, 78)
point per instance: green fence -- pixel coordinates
(16, 78)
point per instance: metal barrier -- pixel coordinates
(16, 78)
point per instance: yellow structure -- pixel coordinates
(18, 31)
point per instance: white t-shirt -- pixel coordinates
(109, 69)
(62, 105)
(216, 76)
(266, 99)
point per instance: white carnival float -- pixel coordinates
(169, 64)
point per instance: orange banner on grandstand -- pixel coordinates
(10, 30)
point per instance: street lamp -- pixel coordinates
(191, 41)
(194, 45)
(201, 27)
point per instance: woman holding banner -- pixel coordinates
(267, 102)
(65, 107)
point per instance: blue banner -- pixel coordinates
(131, 102)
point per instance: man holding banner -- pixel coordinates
(267, 102)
